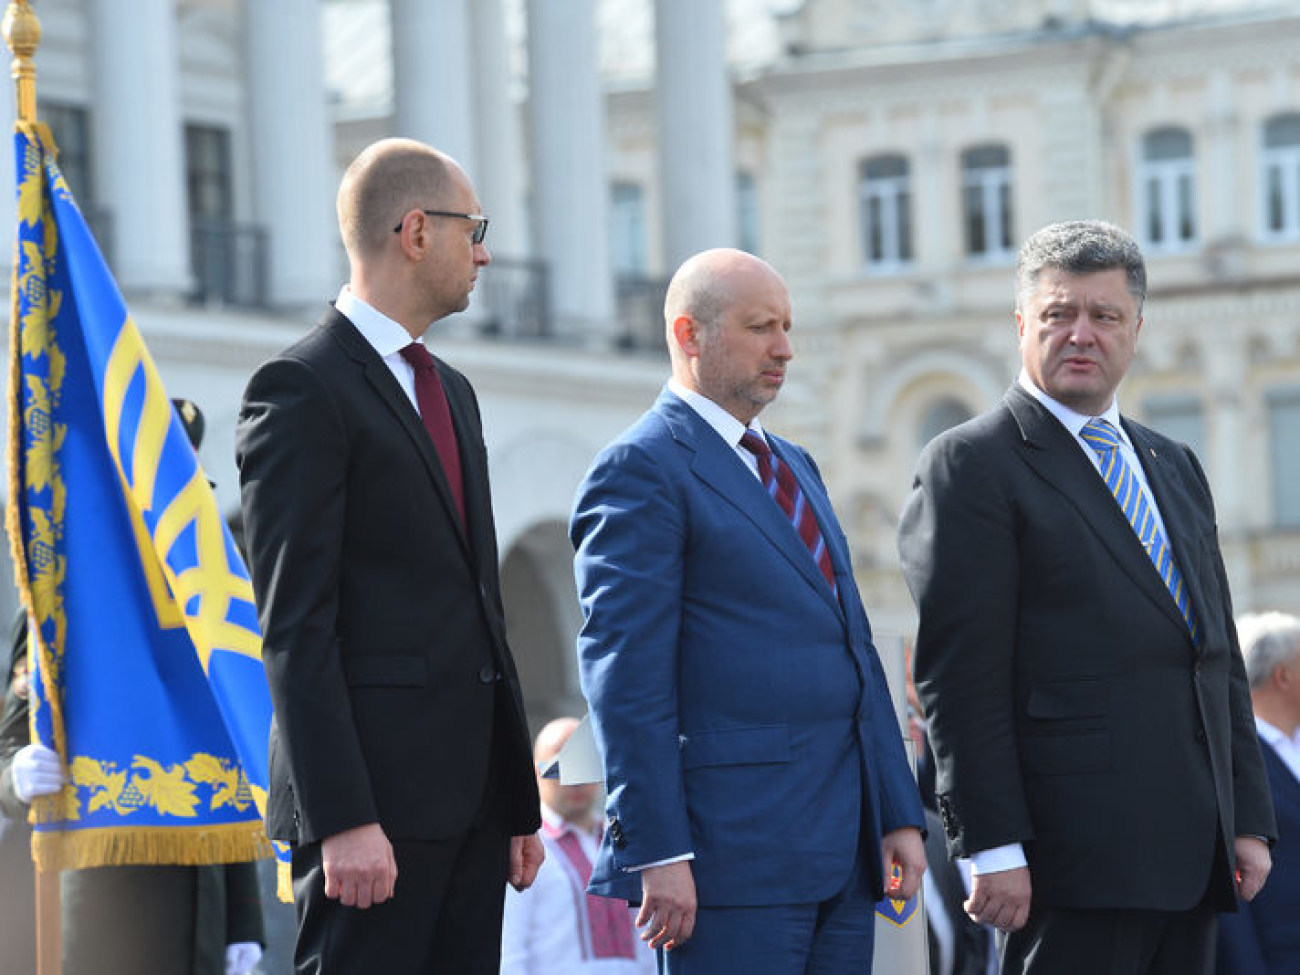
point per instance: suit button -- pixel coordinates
(488, 674)
(616, 834)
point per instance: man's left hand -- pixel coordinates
(1253, 864)
(904, 848)
(526, 856)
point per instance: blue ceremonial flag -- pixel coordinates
(147, 674)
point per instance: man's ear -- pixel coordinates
(686, 333)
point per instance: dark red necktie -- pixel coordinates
(432, 399)
(784, 489)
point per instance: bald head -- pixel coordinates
(727, 315)
(573, 803)
(386, 180)
(708, 283)
(552, 738)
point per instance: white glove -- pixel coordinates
(36, 771)
(242, 956)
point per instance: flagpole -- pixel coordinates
(22, 32)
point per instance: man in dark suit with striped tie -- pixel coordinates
(754, 763)
(1076, 657)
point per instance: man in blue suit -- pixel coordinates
(1263, 936)
(759, 794)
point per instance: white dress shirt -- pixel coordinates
(385, 336)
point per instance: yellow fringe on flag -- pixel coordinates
(76, 850)
(284, 881)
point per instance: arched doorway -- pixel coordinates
(542, 620)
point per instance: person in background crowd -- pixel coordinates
(1263, 936)
(555, 927)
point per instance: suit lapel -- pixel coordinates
(1050, 450)
(386, 387)
(715, 463)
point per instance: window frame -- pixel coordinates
(995, 188)
(1285, 161)
(893, 196)
(1170, 177)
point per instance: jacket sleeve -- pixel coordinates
(959, 551)
(1252, 800)
(629, 533)
(291, 447)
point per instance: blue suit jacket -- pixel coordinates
(1263, 937)
(739, 706)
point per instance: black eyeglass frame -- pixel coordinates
(481, 222)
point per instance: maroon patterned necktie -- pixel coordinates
(607, 917)
(432, 399)
(784, 489)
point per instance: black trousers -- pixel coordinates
(1113, 943)
(444, 917)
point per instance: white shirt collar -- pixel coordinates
(382, 332)
(1071, 420)
(1270, 733)
(727, 426)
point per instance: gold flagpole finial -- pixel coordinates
(22, 31)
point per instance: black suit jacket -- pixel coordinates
(1068, 707)
(383, 631)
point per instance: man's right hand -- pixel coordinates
(36, 771)
(667, 912)
(1000, 899)
(359, 866)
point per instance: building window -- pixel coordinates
(229, 260)
(70, 126)
(747, 212)
(1284, 454)
(941, 416)
(986, 199)
(1178, 417)
(886, 202)
(1281, 177)
(1167, 189)
(627, 228)
(207, 171)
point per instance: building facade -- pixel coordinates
(887, 156)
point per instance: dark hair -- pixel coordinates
(1079, 247)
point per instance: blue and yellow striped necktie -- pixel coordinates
(1119, 477)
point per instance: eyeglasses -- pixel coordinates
(480, 222)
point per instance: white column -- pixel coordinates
(432, 74)
(570, 185)
(498, 145)
(292, 148)
(1223, 221)
(696, 131)
(139, 157)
